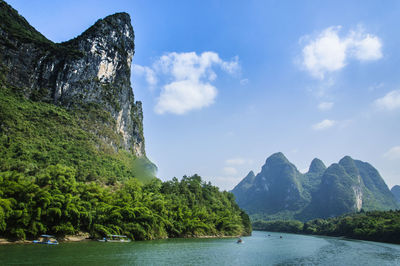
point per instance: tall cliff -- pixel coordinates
(91, 69)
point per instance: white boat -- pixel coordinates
(47, 240)
(115, 238)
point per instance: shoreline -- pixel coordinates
(332, 236)
(82, 238)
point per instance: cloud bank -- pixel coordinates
(329, 52)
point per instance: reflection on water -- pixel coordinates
(259, 249)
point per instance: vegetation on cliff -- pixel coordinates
(382, 226)
(59, 175)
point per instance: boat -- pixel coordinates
(115, 238)
(47, 240)
(240, 241)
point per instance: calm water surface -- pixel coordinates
(258, 249)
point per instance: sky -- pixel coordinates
(225, 84)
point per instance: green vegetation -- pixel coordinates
(289, 226)
(18, 28)
(56, 203)
(382, 226)
(35, 136)
(60, 175)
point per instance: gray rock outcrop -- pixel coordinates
(91, 69)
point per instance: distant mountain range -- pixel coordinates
(280, 191)
(396, 192)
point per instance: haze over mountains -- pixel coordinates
(280, 191)
(396, 192)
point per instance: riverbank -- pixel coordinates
(377, 226)
(258, 249)
(86, 237)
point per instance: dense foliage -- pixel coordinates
(58, 176)
(383, 226)
(56, 203)
(35, 136)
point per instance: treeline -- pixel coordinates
(59, 175)
(55, 203)
(382, 226)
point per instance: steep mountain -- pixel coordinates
(345, 187)
(72, 154)
(244, 186)
(338, 193)
(396, 192)
(376, 192)
(55, 94)
(275, 189)
(91, 69)
(312, 179)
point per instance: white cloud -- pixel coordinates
(390, 101)
(179, 97)
(188, 80)
(229, 170)
(367, 47)
(329, 52)
(324, 106)
(393, 153)
(324, 124)
(244, 82)
(149, 74)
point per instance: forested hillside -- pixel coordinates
(382, 226)
(57, 176)
(72, 153)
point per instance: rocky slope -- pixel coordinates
(91, 69)
(275, 188)
(396, 192)
(281, 191)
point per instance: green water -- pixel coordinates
(258, 249)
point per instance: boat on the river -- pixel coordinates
(46, 239)
(240, 241)
(115, 238)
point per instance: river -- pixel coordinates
(258, 249)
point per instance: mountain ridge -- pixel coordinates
(344, 187)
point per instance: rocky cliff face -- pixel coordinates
(91, 69)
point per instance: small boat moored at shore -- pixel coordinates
(47, 240)
(115, 238)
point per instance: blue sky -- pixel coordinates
(225, 84)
